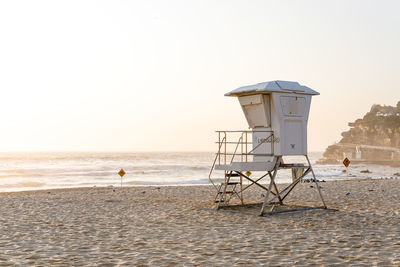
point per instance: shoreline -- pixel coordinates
(186, 185)
(390, 163)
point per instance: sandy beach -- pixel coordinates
(171, 226)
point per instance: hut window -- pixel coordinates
(293, 105)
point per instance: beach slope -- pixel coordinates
(178, 226)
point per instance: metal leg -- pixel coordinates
(291, 186)
(270, 185)
(217, 195)
(276, 189)
(241, 188)
(290, 190)
(316, 183)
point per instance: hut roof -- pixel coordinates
(273, 86)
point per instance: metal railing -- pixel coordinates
(244, 139)
(248, 148)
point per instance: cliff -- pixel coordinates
(375, 138)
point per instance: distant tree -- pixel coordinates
(392, 123)
(375, 108)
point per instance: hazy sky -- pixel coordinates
(150, 75)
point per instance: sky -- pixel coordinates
(151, 75)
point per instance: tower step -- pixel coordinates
(232, 175)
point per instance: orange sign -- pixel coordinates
(346, 162)
(121, 173)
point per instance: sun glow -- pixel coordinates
(102, 75)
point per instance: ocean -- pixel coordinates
(35, 171)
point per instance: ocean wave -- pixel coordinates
(23, 171)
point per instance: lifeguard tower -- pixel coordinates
(277, 114)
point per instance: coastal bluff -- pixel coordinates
(373, 139)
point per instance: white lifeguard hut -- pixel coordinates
(277, 115)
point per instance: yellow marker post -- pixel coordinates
(346, 162)
(121, 173)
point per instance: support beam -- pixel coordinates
(278, 161)
(316, 183)
(273, 192)
(276, 189)
(292, 184)
(254, 182)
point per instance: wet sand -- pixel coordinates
(173, 226)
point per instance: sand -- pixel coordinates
(173, 226)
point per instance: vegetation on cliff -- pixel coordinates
(376, 135)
